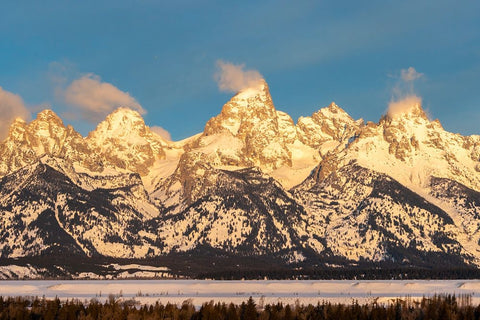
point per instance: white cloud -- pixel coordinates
(161, 132)
(96, 99)
(11, 108)
(404, 97)
(403, 105)
(234, 78)
(410, 74)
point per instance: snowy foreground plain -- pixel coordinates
(268, 291)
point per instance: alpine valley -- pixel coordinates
(253, 193)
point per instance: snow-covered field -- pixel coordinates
(268, 291)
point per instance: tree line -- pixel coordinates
(361, 273)
(437, 307)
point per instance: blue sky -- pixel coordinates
(164, 53)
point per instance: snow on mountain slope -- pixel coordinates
(46, 135)
(411, 149)
(327, 124)
(312, 138)
(463, 205)
(363, 214)
(126, 142)
(251, 119)
(354, 201)
(43, 211)
(120, 144)
(251, 132)
(244, 212)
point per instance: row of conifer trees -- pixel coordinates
(437, 307)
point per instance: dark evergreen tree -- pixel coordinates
(249, 310)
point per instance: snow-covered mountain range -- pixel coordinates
(253, 184)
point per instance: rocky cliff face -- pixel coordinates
(251, 121)
(44, 212)
(328, 125)
(364, 214)
(124, 141)
(46, 135)
(412, 149)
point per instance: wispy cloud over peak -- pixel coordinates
(95, 99)
(404, 97)
(234, 78)
(11, 108)
(410, 74)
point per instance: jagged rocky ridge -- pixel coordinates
(253, 184)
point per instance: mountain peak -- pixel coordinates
(334, 107)
(44, 136)
(48, 115)
(331, 123)
(124, 115)
(126, 142)
(334, 111)
(250, 117)
(254, 98)
(249, 105)
(17, 129)
(121, 122)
